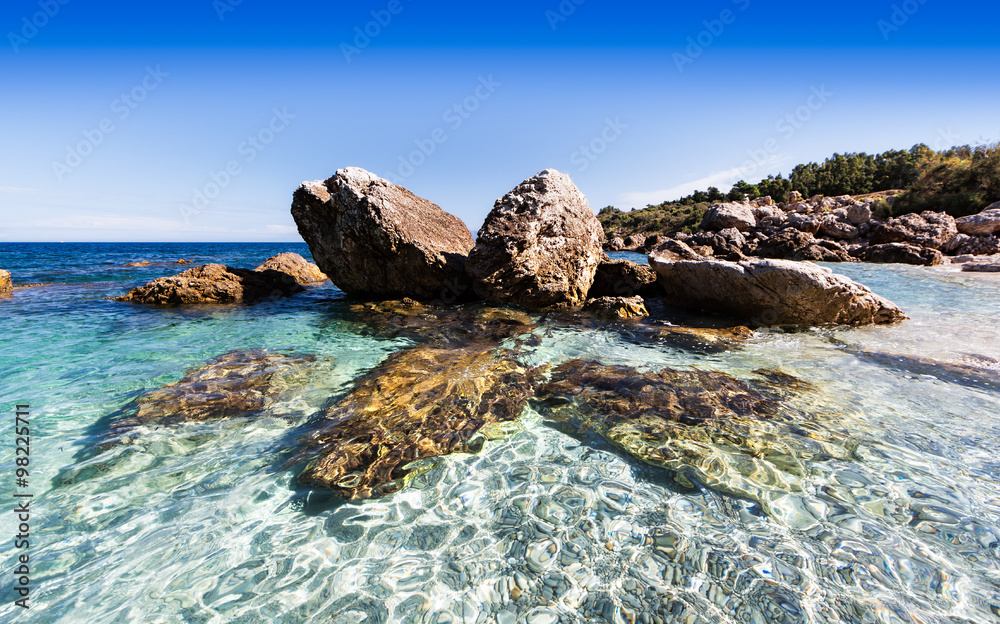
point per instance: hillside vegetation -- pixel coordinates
(960, 181)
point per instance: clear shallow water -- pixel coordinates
(875, 498)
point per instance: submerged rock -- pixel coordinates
(772, 292)
(237, 384)
(460, 323)
(973, 371)
(141, 263)
(373, 238)
(624, 278)
(5, 283)
(540, 245)
(617, 308)
(303, 271)
(213, 283)
(419, 403)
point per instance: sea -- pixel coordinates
(887, 512)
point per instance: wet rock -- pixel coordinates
(985, 223)
(237, 384)
(213, 283)
(5, 283)
(183, 261)
(301, 270)
(901, 253)
(973, 371)
(772, 292)
(137, 264)
(981, 267)
(539, 246)
(373, 238)
(443, 324)
(617, 308)
(624, 278)
(729, 215)
(927, 229)
(696, 339)
(419, 403)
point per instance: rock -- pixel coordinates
(418, 403)
(615, 244)
(981, 267)
(769, 215)
(956, 242)
(635, 241)
(835, 228)
(804, 223)
(793, 197)
(821, 251)
(677, 249)
(858, 213)
(623, 278)
(137, 264)
(726, 244)
(827, 203)
(928, 229)
(183, 261)
(729, 215)
(7, 286)
(375, 239)
(973, 371)
(772, 292)
(441, 324)
(983, 224)
(213, 283)
(539, 246)
(901, 253)
(760, 202)
(301, 270)
(617, 308)
(792, 244)
(234, 385)
(653, 241)
(979, 246)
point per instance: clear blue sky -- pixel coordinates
(119, 116)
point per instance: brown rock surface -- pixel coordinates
(624, 278)
(303, 271)
(927, 229)
(373, 238)
(617, 308)
(213, 283)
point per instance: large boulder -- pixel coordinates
(901, 253)
(983, 224)
(837, 229)
(376, 239)
(5, 284)
(859, 213)
(303, 271)
(927, 229)
(730, 215)
(214, 283)
(624, 278)
(772, 292)
(539, 247)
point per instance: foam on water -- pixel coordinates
(873, 498)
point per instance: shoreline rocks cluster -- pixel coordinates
(829, 229)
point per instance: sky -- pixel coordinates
(195, 120)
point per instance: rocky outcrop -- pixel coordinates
(301, 270)
(375, 239)
(985, 223)
(623, 278)
(927, 229)
(730, 215)
(213, 283)
(419, 403)
(5, 283)
(772, 292)
(539, 247)
(617, 308)
(901, 253)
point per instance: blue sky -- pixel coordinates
(196, 120)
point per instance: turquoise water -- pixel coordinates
(890, 511)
